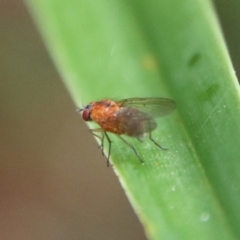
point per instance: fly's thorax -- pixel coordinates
(103, 111)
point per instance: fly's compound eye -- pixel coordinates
(86, 115)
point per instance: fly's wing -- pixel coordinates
(155, 107)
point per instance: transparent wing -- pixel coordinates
(155, 107)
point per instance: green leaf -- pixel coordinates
(122, 49)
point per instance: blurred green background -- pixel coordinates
(54, 183)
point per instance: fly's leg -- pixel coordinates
(109, 149)
(102, 144)
(101, 139)
(104, 134)
(133, 148)
(150, 137)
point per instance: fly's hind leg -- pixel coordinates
(158, 145)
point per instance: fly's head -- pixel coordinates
(86, 112)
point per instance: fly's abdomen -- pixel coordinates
(135, 123)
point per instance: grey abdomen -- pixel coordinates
(135, 123)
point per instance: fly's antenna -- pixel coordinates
(80, 109)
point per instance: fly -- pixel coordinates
(133, 117)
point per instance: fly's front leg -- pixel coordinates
(104, 134)
(109, 149)
(100, 138)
